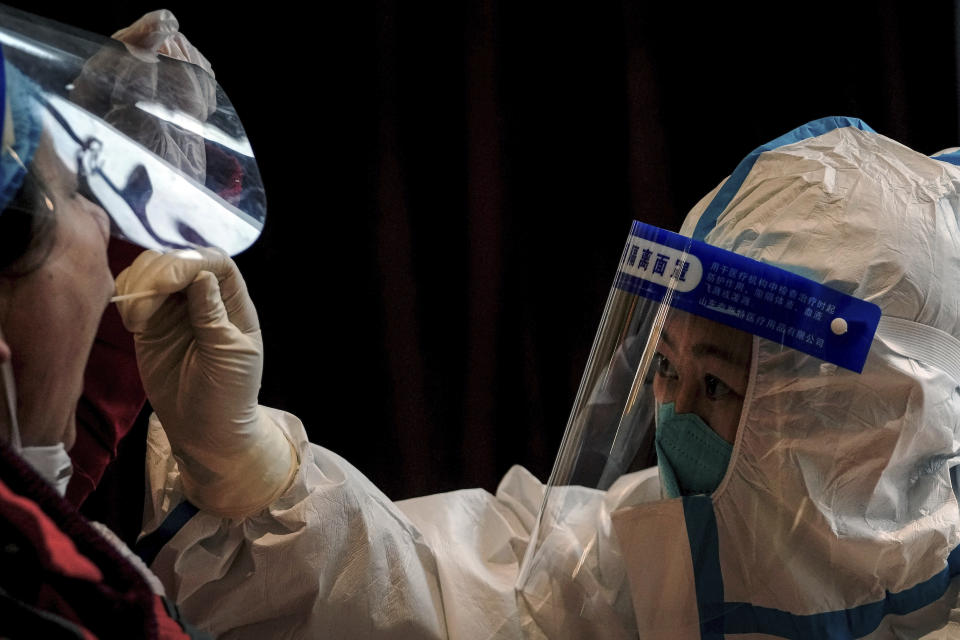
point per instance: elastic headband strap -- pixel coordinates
(923, 343)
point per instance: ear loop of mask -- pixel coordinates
(10, 398)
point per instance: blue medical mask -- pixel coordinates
(692, 458)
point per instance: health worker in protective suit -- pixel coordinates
(763, 444)
(95, 141)
(798, 344)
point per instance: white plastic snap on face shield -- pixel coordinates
(154, 140)
(708, 303)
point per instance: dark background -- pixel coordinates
(450, 185)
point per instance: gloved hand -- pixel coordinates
(200, 356)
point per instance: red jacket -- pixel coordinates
(59, 577)
(112, 393)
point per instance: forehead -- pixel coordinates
(680, 322)
(682, 329)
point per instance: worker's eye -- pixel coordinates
(664, 367)
(715, 387)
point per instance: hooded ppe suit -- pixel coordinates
(837, 516)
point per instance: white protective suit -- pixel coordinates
(837, 517)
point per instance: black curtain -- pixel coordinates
(450, 186)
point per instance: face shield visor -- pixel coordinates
(665, 384)
(153, 140)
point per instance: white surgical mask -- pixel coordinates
(52, 462)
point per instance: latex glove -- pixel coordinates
(200, 356)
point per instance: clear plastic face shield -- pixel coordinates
(665, 384)
(155, 141)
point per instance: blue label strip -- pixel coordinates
(748, 295)
(952, 158)
(846, 624)
(150, 545)
(705, 554)
(718, 617)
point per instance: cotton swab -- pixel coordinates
(134, 296)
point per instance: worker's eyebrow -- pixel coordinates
(717, 351)
(702, 349)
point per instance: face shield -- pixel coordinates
(665, 385)
(678, 304)
(153, 140)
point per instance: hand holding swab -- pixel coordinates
(134, 296)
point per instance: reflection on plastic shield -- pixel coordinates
(152, 204)
(748, 295)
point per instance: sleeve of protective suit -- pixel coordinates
(334, 557)
(200, 355)
(331, 557)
